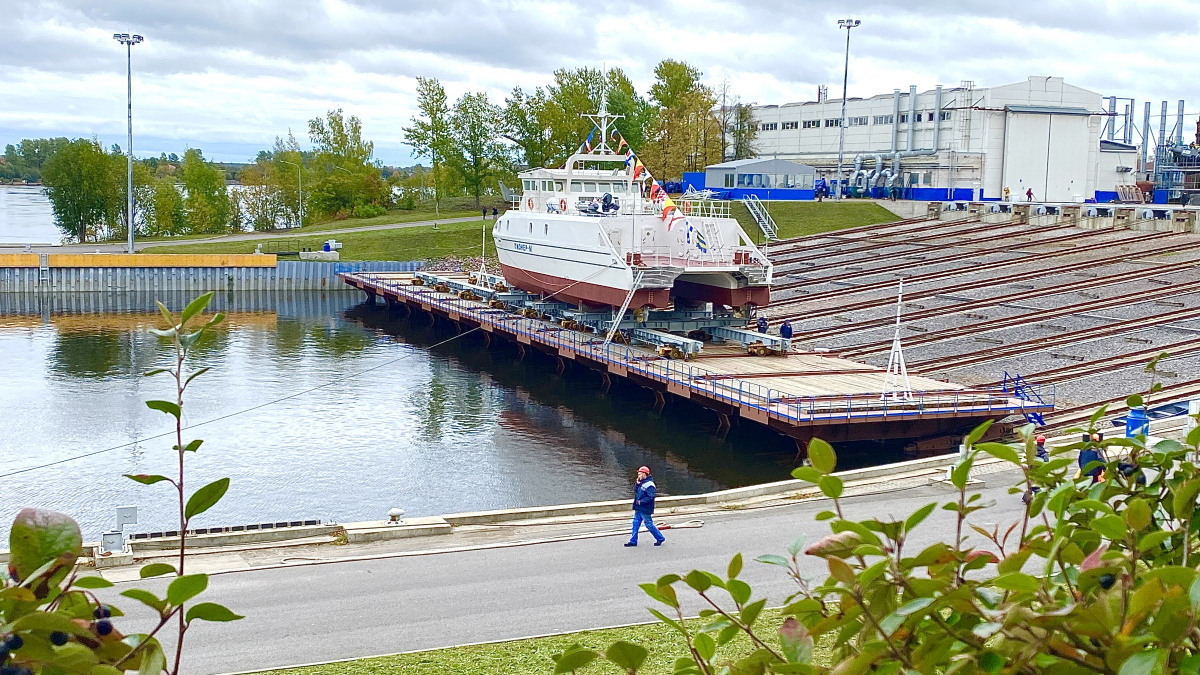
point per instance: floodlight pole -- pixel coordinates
(847, 24)
(129, 41)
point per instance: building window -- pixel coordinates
(791, 125)
(945, 115)
(728, 180)
(903, 118)
(769, 126)
(883, 119)
(833, 123)
(856, 121)
(812, 124)
(927, 178)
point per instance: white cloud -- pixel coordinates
(237, 74)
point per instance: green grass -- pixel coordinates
(409, 243)
(533, 656)
(797, 219)
(387, 219)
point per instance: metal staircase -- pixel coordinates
(1022, 389)
(619, 315)
(759, 212)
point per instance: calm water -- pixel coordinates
(25, 216)
(396, 422)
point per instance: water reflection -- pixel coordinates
(390, 421)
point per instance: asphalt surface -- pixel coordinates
(314, 613)
(243, 236)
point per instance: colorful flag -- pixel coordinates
(588, 143)
(621, 143)
(638, 168)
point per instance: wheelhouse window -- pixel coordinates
(589, 187)
(576, 186)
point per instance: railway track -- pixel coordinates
(1068, 417)
(1008, 322)
(998, 352)
(931, 276)
(1097, 282)
(797, 242)
(871, 243)
(1080, 370)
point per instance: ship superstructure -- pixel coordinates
(602, 232)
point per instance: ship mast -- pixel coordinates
(602, 119)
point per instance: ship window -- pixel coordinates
(528, 184)
(546, 185)
(558, 185)
(604, 187)
(589, 187)
(620, 188)
(576, 186)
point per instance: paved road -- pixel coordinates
(314, 613)
(243, 236)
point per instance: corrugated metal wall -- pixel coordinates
(287, 275)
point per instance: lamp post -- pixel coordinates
(129, 41)
(847, 24)
(300, 187)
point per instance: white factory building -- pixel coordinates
(1041, 135)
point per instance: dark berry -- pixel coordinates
(59, 638)
(103, 627)
(102, 612)
(14, 642)
(1107, 581)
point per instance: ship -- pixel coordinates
(601, 232)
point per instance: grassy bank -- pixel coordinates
(420, 242)
(387, 219)
(797, 219)
(533, 656)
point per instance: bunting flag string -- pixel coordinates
(667, 208)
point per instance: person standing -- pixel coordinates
(485, 213)
(643, 507)
(785, 329)
(1029, 195)
(495, 213)
(762, 324)
(1092, 454)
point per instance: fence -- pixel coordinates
(285, 275)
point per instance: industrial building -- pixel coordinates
(1060, 142)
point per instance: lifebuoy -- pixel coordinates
(562, 205)
(529, 203)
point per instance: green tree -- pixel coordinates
(430, 134)
(742, 132)
(25, 160)
(86, 188)
(526, 122)
(346, 182)
(480, 154)
(166, 216)
(687, 133)
(206, 205)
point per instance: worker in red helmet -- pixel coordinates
(643, 507)
(1040, 450)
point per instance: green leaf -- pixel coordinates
(1100, 412)
(196, 374)
(831, 486)
(771, 559)
(977, 433)
(1017, 581)
(217, 318)
(739, 590)
(195, 307)
(166, 313)
(706, 646)
(205, 498)
(915, 606)
(626, 655)
(156, 371)
(1111, 527)
(825, 515)
(991, 662)
(822, 456)
(918, 516)
(186, 587)
(40, 537)
(146, 598)
(698, 581)
(1000, 451)
(193, 445)
(839, 570)
(188, 340)
(796, 641)
(146, 478)
(735, 566)
(49, 622)
(154, 662)
(961, 472)
(105, 669)
(156, 570)
(751, 611)
(1152, 539)
(91, 582)
(1149, 662)
(797, 545)
(210, 611)
(165, 406)
(806, 474)
(668, 620)
(1137, 514)
(1135, 401)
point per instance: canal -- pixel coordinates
(319, 406)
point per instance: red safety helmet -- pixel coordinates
(1041, 439)
(644, 469)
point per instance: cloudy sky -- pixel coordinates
(228, 76)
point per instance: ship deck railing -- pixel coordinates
(769, 402)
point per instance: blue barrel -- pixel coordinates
(1136, 422)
